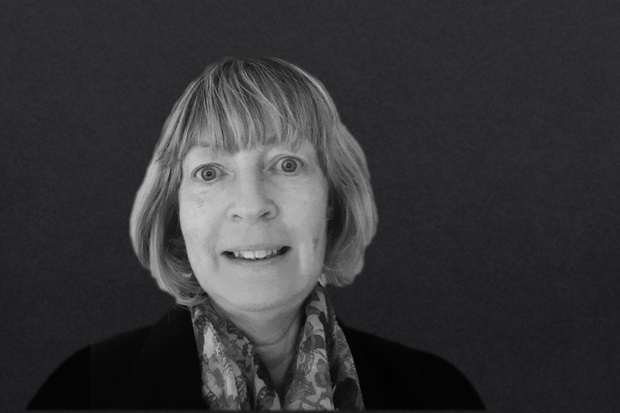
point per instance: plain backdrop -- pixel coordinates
(492, 137)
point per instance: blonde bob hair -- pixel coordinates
(238, 104)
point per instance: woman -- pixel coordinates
(256, 197)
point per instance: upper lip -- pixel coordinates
(254, 247)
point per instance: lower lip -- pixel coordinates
(260, 262)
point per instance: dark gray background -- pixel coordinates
(492, 137)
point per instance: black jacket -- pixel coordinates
(158, 367)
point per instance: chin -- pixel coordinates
(269, 300)
(251, 298)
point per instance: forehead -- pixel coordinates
(207, 147)
(230, 142)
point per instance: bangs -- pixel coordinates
(239, 105)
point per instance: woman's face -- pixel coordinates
(254, 224)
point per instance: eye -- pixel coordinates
(289, 165)
(207, 173)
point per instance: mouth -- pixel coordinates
(258, 255)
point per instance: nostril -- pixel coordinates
(252, 210)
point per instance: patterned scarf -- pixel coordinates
(323, 375)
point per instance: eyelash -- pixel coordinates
(300, 164)
(199, 170)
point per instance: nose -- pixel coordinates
(250, 200)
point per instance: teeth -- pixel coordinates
(254, 255)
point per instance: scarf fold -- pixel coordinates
(321, 377)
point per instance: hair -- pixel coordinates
(238, 104)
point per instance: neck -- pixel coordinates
(274, 335)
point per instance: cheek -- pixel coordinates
(189, 218)
(319, 237)
(316, 218)
(198, 223)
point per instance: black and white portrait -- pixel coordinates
(310, 205)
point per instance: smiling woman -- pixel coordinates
(267, 200)
(256, 197)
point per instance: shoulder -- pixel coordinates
(67, 387)
(71, 384)
(118, 350)
(112, 366)
(149, 367)
(394, 376)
